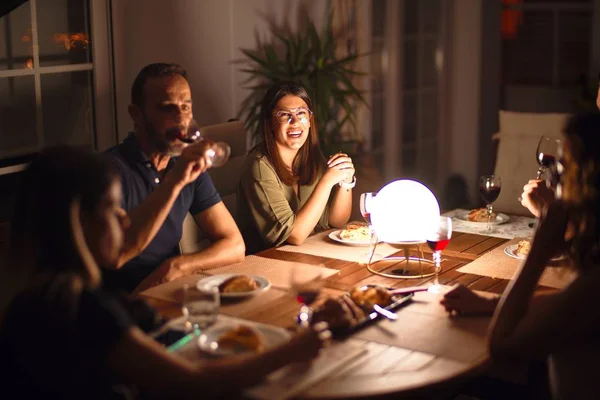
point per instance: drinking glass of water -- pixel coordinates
(200, 307)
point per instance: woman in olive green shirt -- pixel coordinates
(287, 188)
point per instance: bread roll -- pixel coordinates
(238, 284)
(241, 339)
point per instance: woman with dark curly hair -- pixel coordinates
(287, 188)
(563, 326)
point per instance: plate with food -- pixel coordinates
(234, 338)
(521, 250)
(355, 234)
(479, 216)
(235, 285)
(356, 309)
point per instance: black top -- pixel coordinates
(54, 344)
(139, 177)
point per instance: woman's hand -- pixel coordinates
(339, 168)
(463, 301)
(536, 196)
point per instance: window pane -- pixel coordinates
(411, 17)
(378, 23)
(429, 114)
(17, 113)
(16, 50)
(63, 32)
(409, 119)
(67, 108)
(527, 59)
(430, 12)
(429, 73)
(575, 31)
(410, 64)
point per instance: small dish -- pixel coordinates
(335, 236)
(463, 216)
(511, 251)
(215, 280)
(272, 336)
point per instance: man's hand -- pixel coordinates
(167, 271)
(191, 163)
(536, 196)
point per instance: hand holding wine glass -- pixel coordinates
(217, 154)
(437, 239)
(547, 153)
(489, 188)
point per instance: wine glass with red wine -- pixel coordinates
(305, 286)
(489, 188)
(547, 153)
(219, 152)
(438, 239)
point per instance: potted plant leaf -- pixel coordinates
(309, 58)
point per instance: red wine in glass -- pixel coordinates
(438, 244)
(489, 193)
(307, 296)
(546, 160)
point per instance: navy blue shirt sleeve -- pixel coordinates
(205, 194)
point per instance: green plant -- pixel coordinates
(310, 59)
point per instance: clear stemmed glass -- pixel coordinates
(219, 152)
(305, 287)
(438, 239)
(365, 202)
(489, 188)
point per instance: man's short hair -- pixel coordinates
(152, 71)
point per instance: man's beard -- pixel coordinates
(160, 141)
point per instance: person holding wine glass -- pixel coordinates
(164, 177)
(287, 188)
(62, 335)
(539, 193)
(489, 188)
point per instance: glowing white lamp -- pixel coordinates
(404, 211)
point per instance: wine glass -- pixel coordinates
(305, 286)
(437, 239)
(365, 204)
(219, 152)
(547, 153)
(489, 188)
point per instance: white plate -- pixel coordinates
(463, 216)
(511, 252)
(272, 335)
(335, 236)
(215, 280)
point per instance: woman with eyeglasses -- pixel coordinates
(287, 188)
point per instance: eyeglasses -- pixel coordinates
(302, 114)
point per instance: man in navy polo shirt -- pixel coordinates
(163, 179)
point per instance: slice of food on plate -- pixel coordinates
(523, 248)
(480, 215)
(240, 339)
(238, 284)
(367, 297)
(356, 232)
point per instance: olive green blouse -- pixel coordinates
(266, 207)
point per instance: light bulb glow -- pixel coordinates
(404, 211)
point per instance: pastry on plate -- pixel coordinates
(356, 233)
(238, 284)
(241, 339)
(367, 297)
(480, 215)
(523, 248)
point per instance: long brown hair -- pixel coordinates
(581, 186)
(308, 161)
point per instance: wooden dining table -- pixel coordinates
(425, 351)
